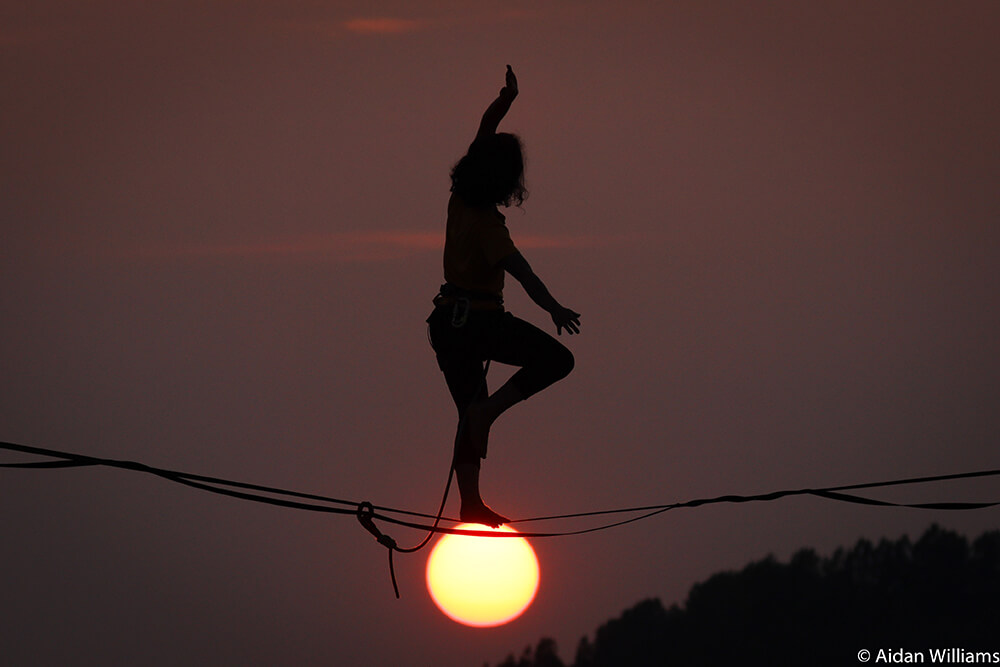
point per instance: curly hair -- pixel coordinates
(491, 172)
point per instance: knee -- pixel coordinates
(562, 362)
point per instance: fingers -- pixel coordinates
(570, 322)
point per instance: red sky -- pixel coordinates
(221, 228)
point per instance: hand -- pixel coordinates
(511, 81)
(564, 318)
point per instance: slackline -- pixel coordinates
(367, 513)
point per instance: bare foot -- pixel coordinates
(480, 513)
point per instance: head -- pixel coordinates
(492, 172)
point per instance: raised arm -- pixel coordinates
(499, 107)
(564, 318)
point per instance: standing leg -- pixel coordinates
(464, 373)
(467, 450)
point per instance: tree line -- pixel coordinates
(940, 592)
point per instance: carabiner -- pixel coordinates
(460, 312)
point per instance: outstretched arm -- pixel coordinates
(499, 107)
(564, 318)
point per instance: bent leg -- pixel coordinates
(542, 359)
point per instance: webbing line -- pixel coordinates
(252, 492)
(368, 513)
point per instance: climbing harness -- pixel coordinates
(463, 302)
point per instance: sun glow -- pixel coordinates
(482, 581)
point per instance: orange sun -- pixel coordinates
(482, 581)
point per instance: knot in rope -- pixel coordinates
(366, 516)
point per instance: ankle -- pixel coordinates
(467, 475)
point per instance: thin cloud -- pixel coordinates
(387, 26)
(359, 246)
(384, 25)
(390, 25)
(340, 246)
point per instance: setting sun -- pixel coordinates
(482, 581)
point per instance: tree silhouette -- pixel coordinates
(940, 592)
(546, 655)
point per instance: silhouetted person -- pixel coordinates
(469, 324)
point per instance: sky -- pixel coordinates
(222, 226)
